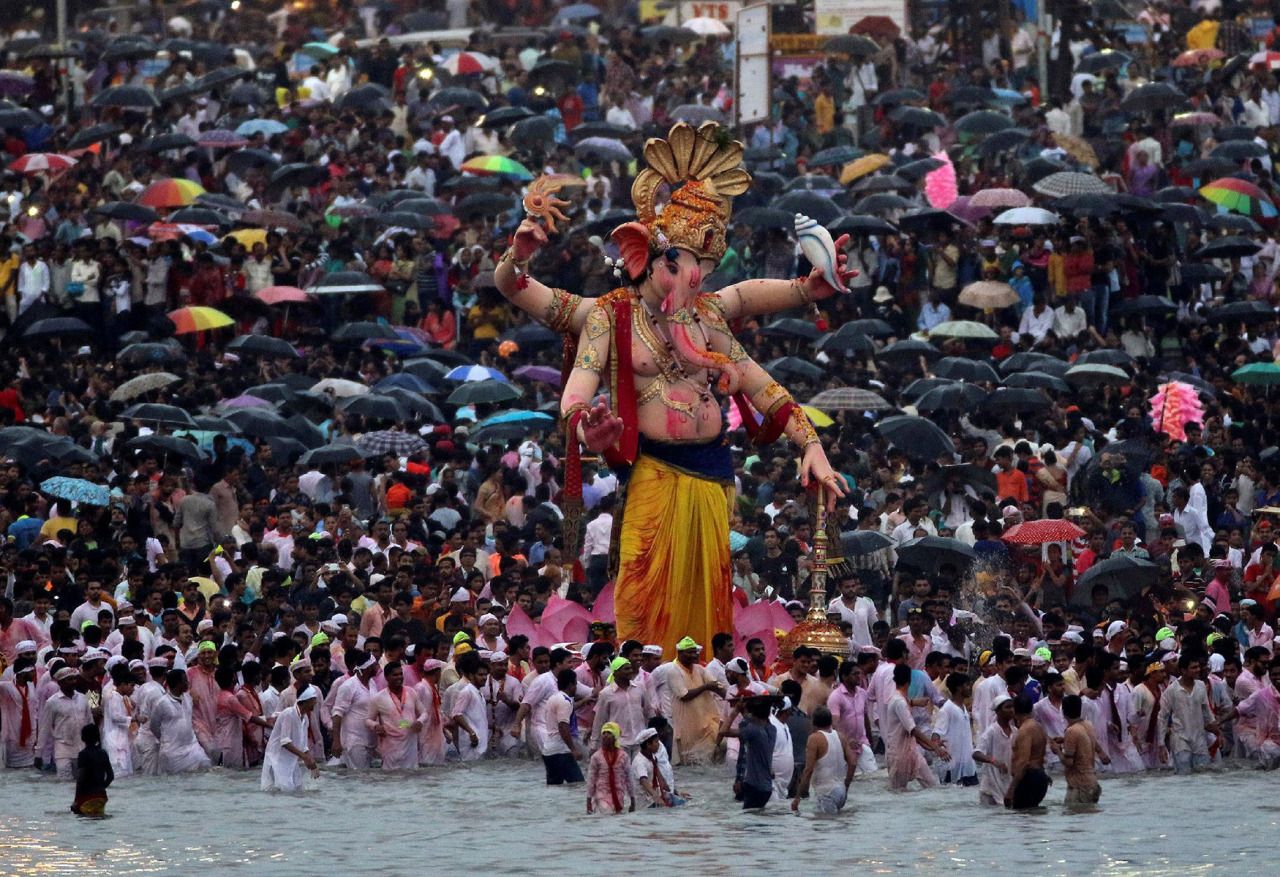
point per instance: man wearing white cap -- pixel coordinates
(146, 748)
(490, 634)
(62, 718)
(288, 757)
(502, 693)
(353, 742)
(994, 753)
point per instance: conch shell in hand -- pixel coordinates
(819, 249)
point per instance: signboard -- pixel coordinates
(721, 10)
(752, 89)
(835, 17)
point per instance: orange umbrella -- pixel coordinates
(282, 295)
(860, 167)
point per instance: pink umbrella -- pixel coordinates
(279, 295)
(566, 621)
(245, 402)
(519, 622)
(1000, 198)
(602, 609)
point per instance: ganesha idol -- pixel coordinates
(663, 351)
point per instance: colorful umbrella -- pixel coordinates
(42, 162)
(1239, 196)
(198, 319)
(497, 165)
(171, 231)
(172, 192)
(1041, 531)
(469, 63)
(475, 373)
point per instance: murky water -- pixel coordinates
(498, 817)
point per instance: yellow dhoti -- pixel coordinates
(674, 576)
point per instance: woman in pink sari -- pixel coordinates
(609, 774)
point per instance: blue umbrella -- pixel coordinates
(76, 490)
(1009, 96)
(528, 417)
(475, 373)
(266, 127)
(577, 12)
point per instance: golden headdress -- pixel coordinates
(703, 169)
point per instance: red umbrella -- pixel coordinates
(1041, 531)
(279, 295)
(42, 162)
(880, 27)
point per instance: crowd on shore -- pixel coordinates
(325, 529)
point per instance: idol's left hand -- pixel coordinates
(817, 285)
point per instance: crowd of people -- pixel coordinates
(220, 551)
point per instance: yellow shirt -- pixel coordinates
(9, 273)
(1203, 35)
(824, 113)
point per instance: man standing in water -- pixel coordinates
(1029, 783)
(1078, 753)
(902, 755)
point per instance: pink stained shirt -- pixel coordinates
(230, 716)
(204, 704)
(848, 713)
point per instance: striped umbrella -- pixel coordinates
(497, 165)
(465, 63)
(198, 319)
(1239, 196)
(42, 162)
(171, 192)
(221, 138)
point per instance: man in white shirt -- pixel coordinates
(595, 547)
(315, 84)
(1192, 521)
(1069, 321)
(855, 607)
(619, 115)
(422, 176)
(1037, 320)
(917, 519)
(33, 279)
(452, 147)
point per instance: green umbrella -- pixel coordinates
(1263, 374)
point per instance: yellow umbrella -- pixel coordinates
(819, 419)
(1077, 148)
(207, 586)
(249, 236)
(860, 167)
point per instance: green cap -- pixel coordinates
(320, 639)
(206, 646)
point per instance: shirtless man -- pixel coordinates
(1029, 783)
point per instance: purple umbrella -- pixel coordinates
(542, 373)
(245, 402)
(15, 83)
(961, 208)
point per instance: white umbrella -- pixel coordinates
(340, 387)
(707, 27)
(1027, 216)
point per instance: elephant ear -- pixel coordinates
(632, 239)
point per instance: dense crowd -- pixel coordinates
(322, 523)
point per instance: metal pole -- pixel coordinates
(1044, 27)
(64, 74)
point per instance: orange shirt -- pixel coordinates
(398, 497)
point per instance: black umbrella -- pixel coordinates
(1122, 575)
(1193, 272)
(199, 216)
(1108, 59)
(860, 543)
(970, 96)
(813, 182)
(1208, 167)
(1239, 150)
(1227, 247)
(817, 207)
(1242, 311)
(1087, 205)
(920, 386)
(765, 217)
(165, 444)
(1038, 380)
(982, 122)
(245, 159)
(247, 94)
(166, 142)
(861, 224)
(554, 73)
(285, 448)
(908, 352)
(537, 129)
(960, 368)
(834, 155)
(132, 97)
(1153, 96)
(928, 219)
(601, 129)
(415, 404)
(277, 394)
(1027, 360)
(150, 353)
(129, 49)
(330, 455)
(953, 398)
(297, 174)
(917, 437)
(127, 210)
(487, 391)
(1016, 400)
(872, 326)
(918, 117)
(263, 345)
(609, 220)
(1038, 168)
(930, 553)
(405, 219)
(1184, 213)
(154, 412)
(486, 204)
(899, 96)
(220, 77)
(458, 97)
(1105, 356)
(882, 183)
(424, 207)
(19, 118)
(504, 116)
(57, 327)
(1232, 222)
(978, 477)
(376, 406)
(260, 423)
(791, 327)
(794, 367)
(856, 45)
(916, 170)
(94, 134)
(219, 201)
(360, 332)
(849, 343)
(1174, 194)
(881, 203)
(531, 336)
